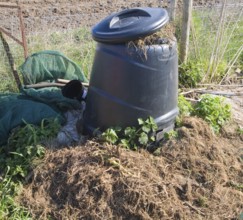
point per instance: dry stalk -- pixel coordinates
(216, 44)
(228, 41)
(163, 36)
(232, 62)
(195, 40)
(219, 45)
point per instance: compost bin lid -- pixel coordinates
(130, 24)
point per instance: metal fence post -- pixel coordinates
(10, 60)
(185, 30)
(22, 29)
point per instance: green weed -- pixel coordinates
(171, 134)
(214, 110)
(17, 160)
(191, 73)
(32, 134)
(132, 137)
(9, 209)
(185, 107)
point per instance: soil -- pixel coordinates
(62, 14)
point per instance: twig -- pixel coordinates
(230, 35)
(194, 208)
(219, 93)
(191, 100)
(44, 84)
(191, 91)
(232, 62)
(65, 81)
(216, 85)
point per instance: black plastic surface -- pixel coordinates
(130, 24)
(127, 84)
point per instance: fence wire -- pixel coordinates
(206, 25)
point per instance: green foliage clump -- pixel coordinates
(32, 134)
(17, 159)
(190, 73)
(24, 146)
(185, 107)
(171, 134)
(214, 110)
(132, 137)
(210, 108)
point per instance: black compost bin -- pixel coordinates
(128, 82)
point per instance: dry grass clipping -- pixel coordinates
(164, 36)
(196, 177)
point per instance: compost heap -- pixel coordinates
(197, 176)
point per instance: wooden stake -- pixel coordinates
(173, 4)
(185, 30)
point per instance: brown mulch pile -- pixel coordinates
(198, 176)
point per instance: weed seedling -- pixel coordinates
(133, 137)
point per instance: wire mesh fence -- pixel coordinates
(217, 37)
(66, 26)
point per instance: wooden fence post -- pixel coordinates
(173, 4)
(185, 30)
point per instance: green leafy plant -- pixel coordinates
(32, 135)
(171, 134)
(214, 110)
(17, 159)
(185, 107)
(9, 209)
(24, 145)
(190, 73)
(132, 137)
(110, 135)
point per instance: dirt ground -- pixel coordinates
(63, 13)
